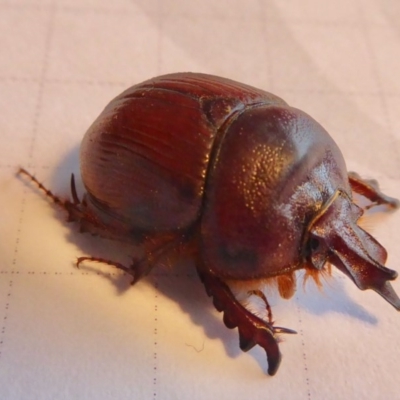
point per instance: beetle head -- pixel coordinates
(335, 237)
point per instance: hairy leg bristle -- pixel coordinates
(316, 275)
(261, 295)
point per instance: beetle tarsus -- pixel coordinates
(279, 329)
(369, 188)
(137, 270)
(48, 193)
(261, 295)
(72, 208)
(103, 261)
(276, 329)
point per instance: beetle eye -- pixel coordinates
(314, 244)
(317, 252)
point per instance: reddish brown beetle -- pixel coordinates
(253, 188)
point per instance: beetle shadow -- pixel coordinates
(185, 289)
(87, 244)
(332, 297)
(182, 285)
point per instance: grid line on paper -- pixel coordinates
(83, 273)
(4, 324)
(25, 6)
(160, 25)
(265, 28)
(306, 373)
(271, 78)
(124, 84)
(156, 282)
(11, 282)
(22, 208)
(63, 81)
(126, 11)
(374, 66)
(43, 72)
(155, 354)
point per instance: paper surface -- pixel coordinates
(86, 334)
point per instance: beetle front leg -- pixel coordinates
(138, 268)
(369, 188)
(252, 329)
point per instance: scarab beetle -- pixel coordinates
(252, 188)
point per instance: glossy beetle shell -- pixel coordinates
(147, 156)
(254, 189)
(185, 147)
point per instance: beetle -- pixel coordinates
(252, 188)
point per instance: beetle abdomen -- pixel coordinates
(144, 160)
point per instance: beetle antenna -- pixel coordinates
(48, 193)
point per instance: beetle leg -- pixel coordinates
(369, 188)
(104, 261)
(73, 208)
(140, 267)
(57, 200)
(277, 329)
(261, 295)
(252, 329)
